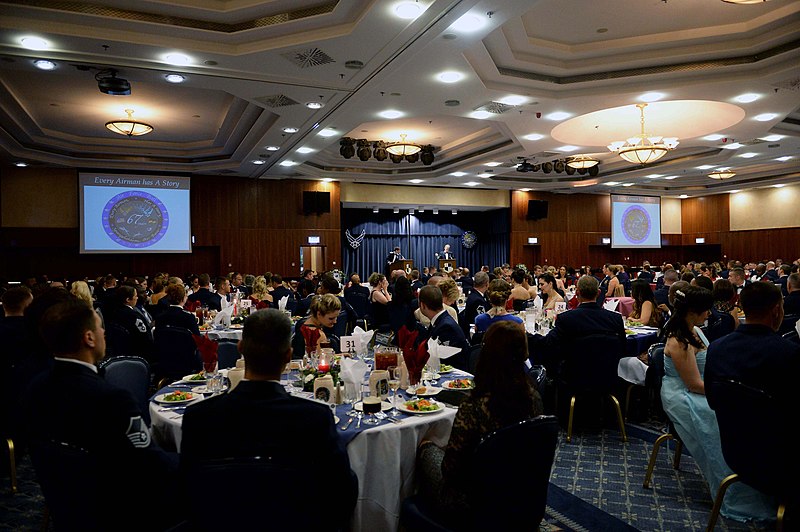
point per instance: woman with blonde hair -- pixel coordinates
(449, 290)
(81, 290)
(311, 333)
(260, 297)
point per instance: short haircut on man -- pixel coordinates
(276, 278)
(63, 325)
(266, 337)
(220, 282)
(329, 284)
(14, 299)
(431, 296)
(175, 294)
(587, 287)
(671, 275)
(481, 279)
(758, 299)
(204, 279)
(794, 281)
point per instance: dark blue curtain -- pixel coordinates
(421, 235)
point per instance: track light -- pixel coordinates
(363, 150)
(347, 147)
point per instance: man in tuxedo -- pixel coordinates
(204, 295)
(444, 328)
(279, 290)
(416, 281)
(791, 303)
(738, 277)
(260, 418)
(476, 303)
(391, 258)
(237, 283)
(588, 318)
(466, 280)
(784, 270)
(71, 404)
(446, 254)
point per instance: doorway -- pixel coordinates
(312, 258)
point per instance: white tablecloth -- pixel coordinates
(225, 334)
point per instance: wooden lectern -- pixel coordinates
(447, 265)
(406, 265)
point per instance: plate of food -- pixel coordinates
(445, 368)
(236, 326)
(424, 391)
(385, 405)
(176, 397)
(194, 378)
(420, 406)
(459, 384)
(204, 389)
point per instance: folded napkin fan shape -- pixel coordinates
(208, 351)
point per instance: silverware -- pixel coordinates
(347, 424)
(359, 416)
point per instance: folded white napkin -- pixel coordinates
(282, 302)
(611, 304)
(438, 352)
(362, 338)
(632, 370)
(224, 316)
(353, 370)
(537, 303)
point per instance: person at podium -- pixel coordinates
(391, 258)
(446, 254)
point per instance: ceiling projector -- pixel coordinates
(109, 83)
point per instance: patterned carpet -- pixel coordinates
(596, 485)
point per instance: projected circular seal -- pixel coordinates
(636, 224)
(135, 219)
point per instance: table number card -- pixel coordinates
(245, 303)
(348, 344)
(560, 307)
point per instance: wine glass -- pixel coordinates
(394, 385)
(371, 405)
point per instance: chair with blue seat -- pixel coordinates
(118, 340)
(133, 374)
(509, 485)
(227, 354)
(788, 324)
(176, 352)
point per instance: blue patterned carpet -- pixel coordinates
(596, 486)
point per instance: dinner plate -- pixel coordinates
(449, 370)
(431, 376)
(204, 389)
(160, 399)
(403, 408)
(236, 326)
(429, 390)
(186, 380)
(385, 405)
(449, 386)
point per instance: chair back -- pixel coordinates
(176, 352)
(719, 325)
(359, 301)
(118, 340)
(340, 327)
(537, 376)
(227, 354)
(511, 474)
(590, 363)
(788, 323)
(132, 374)
(472, 357)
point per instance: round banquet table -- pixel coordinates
(383, 457)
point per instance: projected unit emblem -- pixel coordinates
(135, 219)
(636, 224)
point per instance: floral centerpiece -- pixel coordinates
(238, 320)
(309, 374)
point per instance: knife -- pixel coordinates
(346, 425)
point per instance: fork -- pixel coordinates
(359, 415)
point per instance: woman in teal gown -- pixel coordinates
(684, 400)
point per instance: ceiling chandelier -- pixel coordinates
(643, 148)
(403, 148)
(581, 161)
(129, 127)
(721, 174)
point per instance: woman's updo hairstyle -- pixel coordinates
(498, 293)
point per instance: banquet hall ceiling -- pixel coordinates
(253, 66)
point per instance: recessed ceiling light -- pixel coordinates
(469, 22)
(713, 137)
(258, 161)
(558, 115)
(416, 181)
(513, 100)
(376, 210)
(765, 117)
(395, 210)
(288, 163)
(44, 64)
(735, 191)
(670, 177)
(273, 148)
(34, 43)
(784, 158)
(611, 183)
(408, 10)
(390, 114)
(493, 163)
(654, 176)
(480, 115)
(484, 175)
(683, 196)
(628, 184)
(772, 138)
(472, 183)
(458, 174)
(290, 130)
(315, 105)
(435, 211)
(533, 136)
(747, 97)
(21, 164)
(734, 146)
(326, 179)
(454, 211)
(568, 148)
(327, 132)
(651, 97)
(706, 167)
(177, 59)
(421, 209)
(781, 185)
(450, 77)
(175, 78)
(524, 190)
(748, 155)
(305, 150)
